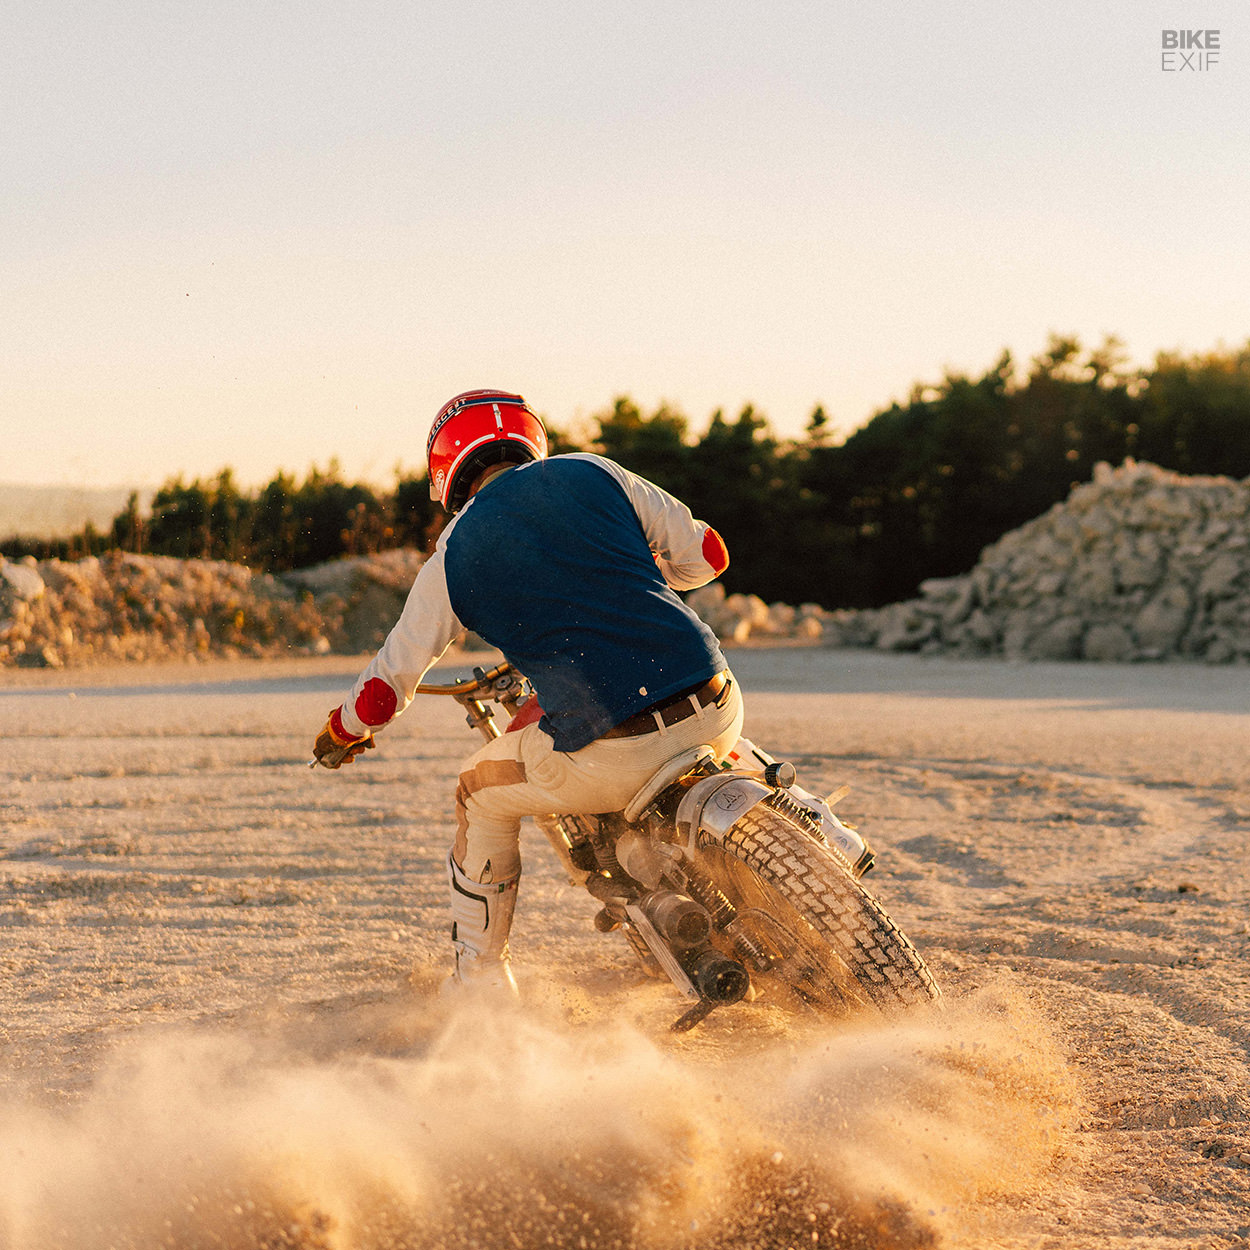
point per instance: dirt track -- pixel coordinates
(220, 1022)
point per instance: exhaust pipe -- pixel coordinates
(680, 921)
(676, 929)
(716, 977)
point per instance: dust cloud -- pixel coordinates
(456, 1125)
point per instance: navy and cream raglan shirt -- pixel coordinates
(569, 566)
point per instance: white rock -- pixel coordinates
(1220, 576)
(1163, 620)
(20, 581)
(1108, 642)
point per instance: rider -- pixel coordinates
(568, 565)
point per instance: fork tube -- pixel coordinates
(480, 717)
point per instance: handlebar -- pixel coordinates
(501, 684)
(480, 681)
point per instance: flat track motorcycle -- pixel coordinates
(731, 880)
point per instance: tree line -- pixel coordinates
(916, 492)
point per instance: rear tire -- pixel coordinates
(828, 941)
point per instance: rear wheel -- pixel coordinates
(804, 925)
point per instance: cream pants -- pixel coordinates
(521, 774)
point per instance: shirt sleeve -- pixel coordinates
(423, 632)
(689, 553)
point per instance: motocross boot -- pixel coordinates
(481, 915)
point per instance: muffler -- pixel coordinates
(718, 978)
(676, 930)
(680, 921)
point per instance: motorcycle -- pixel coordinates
(728, 878)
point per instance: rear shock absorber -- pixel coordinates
(603, 837)
(724, 917)
(704, 890)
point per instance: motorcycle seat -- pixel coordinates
(664, 777)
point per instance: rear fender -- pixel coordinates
(711, 807)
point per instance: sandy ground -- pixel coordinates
(220, 1022)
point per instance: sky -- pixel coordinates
(266, 234)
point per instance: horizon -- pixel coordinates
(579, 428)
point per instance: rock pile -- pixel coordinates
(738, 618)
(129, 607)
(123, 607)
(1139, 564)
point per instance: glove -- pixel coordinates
(335, 746)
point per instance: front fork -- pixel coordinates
(507, 689)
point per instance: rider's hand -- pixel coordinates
(335, 746)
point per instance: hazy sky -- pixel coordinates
(263, 234)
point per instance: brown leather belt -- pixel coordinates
(675, 708)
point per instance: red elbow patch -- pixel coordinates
(715, 552)
(376, 703)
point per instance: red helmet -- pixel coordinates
(472, 432)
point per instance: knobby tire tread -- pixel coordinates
(816, 881)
